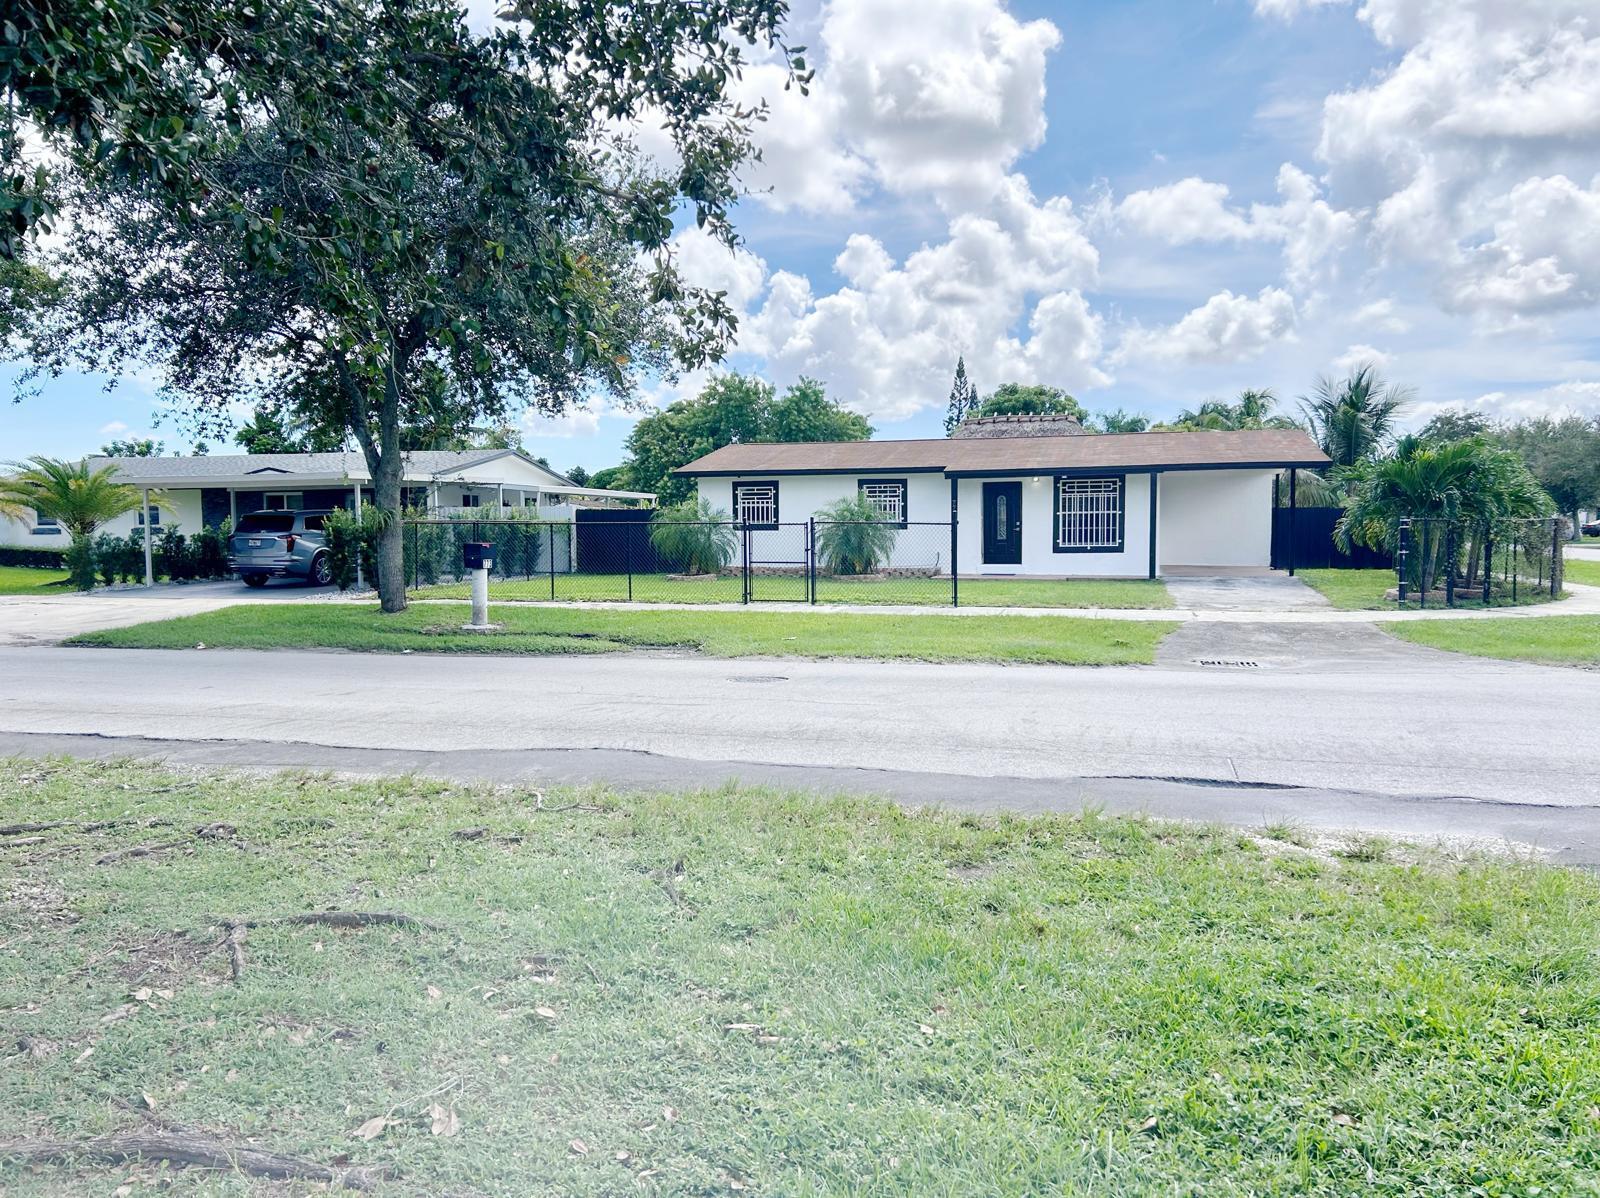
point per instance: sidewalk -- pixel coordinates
(1580, 601)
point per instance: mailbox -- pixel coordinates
(478, 555)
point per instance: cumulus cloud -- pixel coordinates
(1361, 355)
(1574, 397)
(938, 96)
(887, 340)
(1491, 111)
(1226, 328)
(1194, 210)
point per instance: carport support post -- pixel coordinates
(955, 576)
(356, 491)
(149, 564)
(1155, 498)
(1293, 475)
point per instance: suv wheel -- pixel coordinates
(254, 580)
(321, 571)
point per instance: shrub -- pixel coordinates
(210, 551)
(853, 537)
(27, 555)
(693, 538)
(80, 563)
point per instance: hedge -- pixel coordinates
(27, 555)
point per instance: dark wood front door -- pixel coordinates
(1002, 524)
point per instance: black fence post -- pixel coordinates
(1450, 565)
(1557, 563)
(955, 572)
(1488, 563)
(811, 560)
(1293, 478)
(745, 561)
(1401, 558)
(416, 553)
(627, 555)
(550, 556)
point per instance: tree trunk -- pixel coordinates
(384, 461)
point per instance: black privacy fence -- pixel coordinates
(1458, 563)
(672, 561)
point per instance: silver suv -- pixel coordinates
(280, 544)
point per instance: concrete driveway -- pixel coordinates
(40, 620)
(1243, 591)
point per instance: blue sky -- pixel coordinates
(1147, 203)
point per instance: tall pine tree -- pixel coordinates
(963, 398)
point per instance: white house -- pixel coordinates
(1033, 496)
(198, 492)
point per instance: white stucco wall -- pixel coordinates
(181, 508)
(1215, 518)
(1039, 557)
(801, 496)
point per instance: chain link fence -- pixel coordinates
(669, 561)
(1458, 563)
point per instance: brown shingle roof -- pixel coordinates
(1272, 447)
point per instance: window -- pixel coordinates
(756, 504)
(265, 522)
(314, 523)
(887, 497)
(45, 526)
(470, 500)
(155, 516)
(282, 501)
(1089, 515)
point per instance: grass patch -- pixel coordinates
(1351, 590)
(1365, 590)
(749, 990)
(1575, 569)
(1555, 640)
(436, 628)
(975, 592)
(31, 580)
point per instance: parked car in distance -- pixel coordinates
(1591, 529)
(280, 544)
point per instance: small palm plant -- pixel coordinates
(76, 497)
(853, 537)
(694, 536)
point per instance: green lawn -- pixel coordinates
(30, 580)
(1580, 571)
(1556, 640)
(748, 992)
(1351, 590)
(977, 592)
(436, 628)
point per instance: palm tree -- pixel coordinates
(1352, 417)
(694, 537)
(1253, 409)
(853, 537)
(1472, 484)
(76, 497)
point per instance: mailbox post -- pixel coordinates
(478, 558)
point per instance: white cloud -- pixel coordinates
(938, 96)
(1575, 397)
(886, 342)
(1226, 328)
(1492, 109)
(1189, 210)
(1193, 210)
(113, 428)
(1361, 355)
(1382, 316)
(1285, 9)
(703, 261)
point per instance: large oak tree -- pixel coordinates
(390, 220)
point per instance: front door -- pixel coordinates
(1002, 524)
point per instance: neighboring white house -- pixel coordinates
(201, 492)
(1030, 496)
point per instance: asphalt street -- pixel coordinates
(1363, 733)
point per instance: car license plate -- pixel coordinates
(255, 544)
